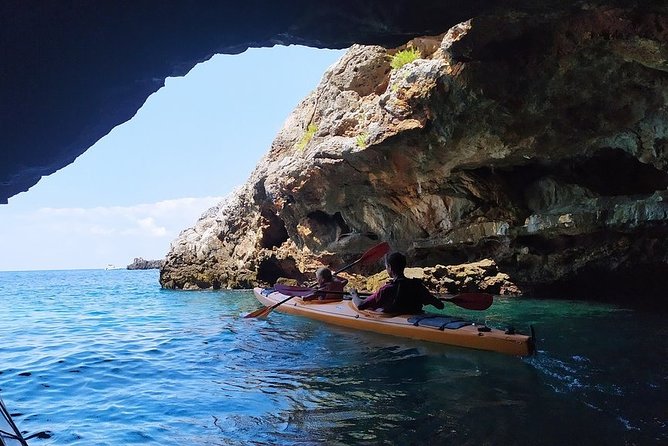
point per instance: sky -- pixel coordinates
(192, 143)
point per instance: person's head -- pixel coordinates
(395, 263)
(323, 275)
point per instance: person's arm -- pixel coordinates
(357, 300)
(319, 292)
(342, 282)
(370, 303)
(429, 299)
(435, 301)
(336, 286)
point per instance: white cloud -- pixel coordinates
(100, 230)
(159, 219)
(147, 226)
(94, 237)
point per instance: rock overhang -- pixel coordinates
(72, 71)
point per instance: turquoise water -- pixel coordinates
(108, 358)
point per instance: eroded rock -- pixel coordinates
(536, 141)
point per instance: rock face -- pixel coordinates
(538, 141)
(139, 263)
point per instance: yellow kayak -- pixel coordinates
(426, 327)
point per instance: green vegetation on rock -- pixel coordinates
(403, 57)
(361, 140)
(308, 135)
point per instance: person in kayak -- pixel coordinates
(328, 282)
(400, 295)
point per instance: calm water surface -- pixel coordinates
(108, 358)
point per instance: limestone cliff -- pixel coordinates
(539, 141)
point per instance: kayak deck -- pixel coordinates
(344, 313)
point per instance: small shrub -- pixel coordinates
(361, 140)
(403, 57)
(306, 138)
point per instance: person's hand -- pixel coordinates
(356, 299)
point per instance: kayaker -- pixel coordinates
(400, 295)
(328, 282)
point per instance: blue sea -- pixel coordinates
(96, 357)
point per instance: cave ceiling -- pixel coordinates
(73, 70)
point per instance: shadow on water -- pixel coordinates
(121, 361)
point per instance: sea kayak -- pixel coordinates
(427, 327)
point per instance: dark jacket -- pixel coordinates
(401, 296)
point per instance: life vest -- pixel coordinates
(404, 296)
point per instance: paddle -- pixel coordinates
(371, 255)
(470, 301)
(301, 291)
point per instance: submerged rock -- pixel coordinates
(537, 141)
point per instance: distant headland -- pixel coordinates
(140, 263)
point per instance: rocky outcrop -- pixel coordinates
(538, 141)
(139, 263)
(475, 276)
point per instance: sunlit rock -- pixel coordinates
(537, 141)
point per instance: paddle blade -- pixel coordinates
(260, 312)
(371, 255)
(472, 301)
(264, 312)
(376, 253)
